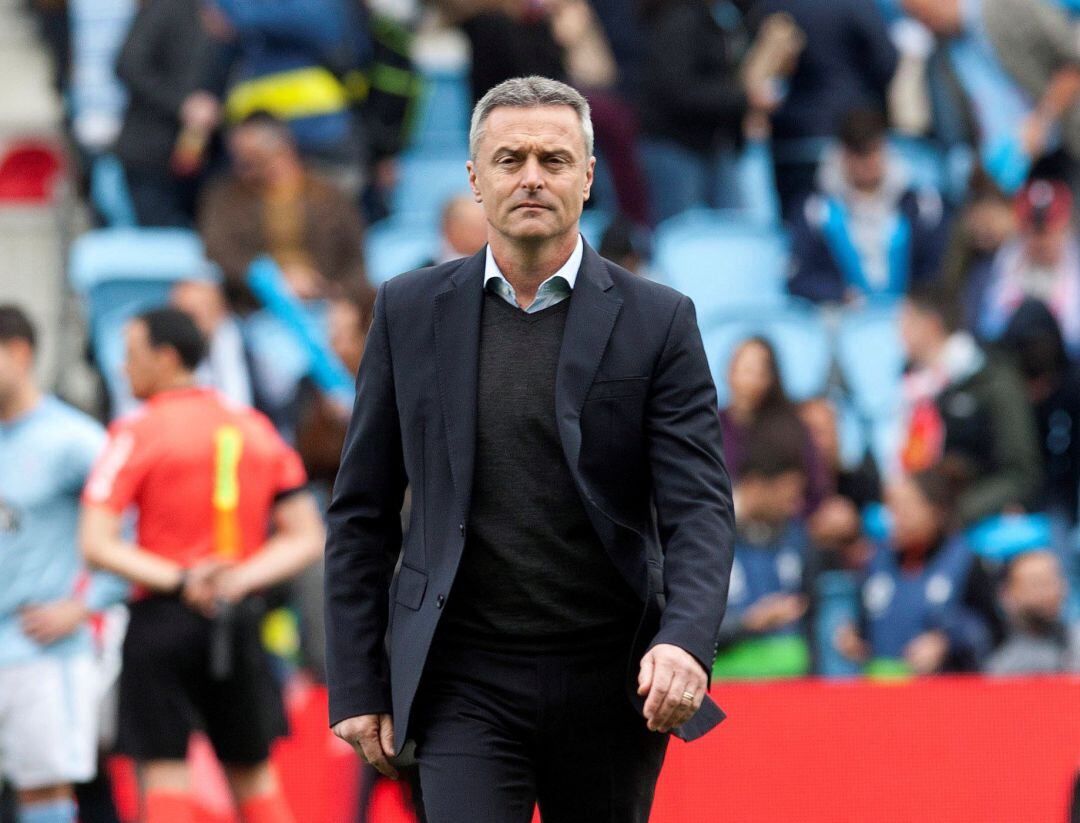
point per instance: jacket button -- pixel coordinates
(440, 601)
(461, 529)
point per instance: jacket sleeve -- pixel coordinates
(814, 274)
(870, 40)
(364, 527)
(1016, 451)
(692, 491)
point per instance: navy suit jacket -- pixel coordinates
(637, 417)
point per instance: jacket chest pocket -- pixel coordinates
(613, 416)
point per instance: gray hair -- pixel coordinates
(526, 92)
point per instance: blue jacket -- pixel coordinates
(826, 262)
(636, 412)
(899, 605)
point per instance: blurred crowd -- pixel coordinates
(278, 130)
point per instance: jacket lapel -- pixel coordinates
(457, 355)
(589, 322)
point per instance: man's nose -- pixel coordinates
(531, 176)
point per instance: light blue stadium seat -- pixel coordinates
(1003, 536)
(395, 245)
(854, 439)
(798, 335)
(594, 222)
(121, 272)
(871, 358)
(425, 184)
(442, 123)
(925, 160)
(722, 261)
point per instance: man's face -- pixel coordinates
(16, 363)
(465, 228)
(531, 172)
(865, 170)
(253, 154)
(142, 362)
(916, 525)
(773, 500)
(1035, 587)
(1045, 246)
(921, 333)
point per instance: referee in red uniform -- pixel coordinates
(222, 514)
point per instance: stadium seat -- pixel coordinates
(121, 272)
(29, 171)
(594, 222)
(926, 162)
(395, 245)
(1006, 535)
(442, 122)
(871, 358)
(426, 183)
(798, 335)
(722, 261)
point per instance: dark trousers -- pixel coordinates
(498, 733)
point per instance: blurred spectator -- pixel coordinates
(693, 103)
(464, 229)
(1038, 639)
(320, 430)
(764, 633)
(225, 367)
(960, 404)
(867, 232)
(1043, 264)
(915, 615)
(759, 408)
(836, 524)
(507, 38)
(291, 58)
(168, 63)
(271, 205)
(1053, 389)
(848, 63)
(1018, 61)
(986, 222)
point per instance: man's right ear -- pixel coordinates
(479, 198)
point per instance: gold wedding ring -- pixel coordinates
(688, 697)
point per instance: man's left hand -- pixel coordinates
(48, 622)
(675, 684)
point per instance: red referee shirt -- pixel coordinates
(203, 475)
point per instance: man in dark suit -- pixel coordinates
(557, 601)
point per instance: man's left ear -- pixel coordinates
(589, 177)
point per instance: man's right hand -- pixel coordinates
(372, 735)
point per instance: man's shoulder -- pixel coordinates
(420, 284)
(638, 291)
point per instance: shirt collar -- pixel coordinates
(567, 272)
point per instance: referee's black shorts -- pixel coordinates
(167, 689)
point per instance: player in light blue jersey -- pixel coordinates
(48, 690)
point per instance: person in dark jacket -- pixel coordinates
(962, 404)
(848, 62)
(867, 232)
(171, 67)
(693, 103)
(1052, 383)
